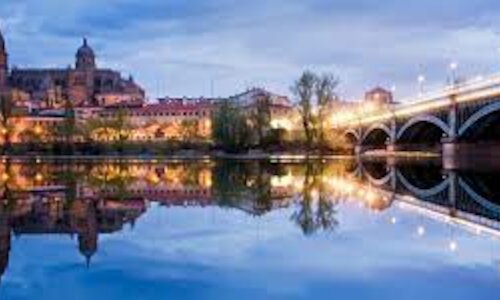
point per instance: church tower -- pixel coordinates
(4, 66)
(81, 79)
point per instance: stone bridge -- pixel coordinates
(462, 119)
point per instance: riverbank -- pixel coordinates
(279, 157)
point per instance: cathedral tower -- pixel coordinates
(81, 79)
(4, 66)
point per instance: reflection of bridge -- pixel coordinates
(451, 120)
(459, 198)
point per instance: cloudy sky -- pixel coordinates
(180, 47)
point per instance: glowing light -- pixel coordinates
(394, 220)
(453, 65)
(453, 246)
(421, 230)
(38, 130)
(38, 177)
(315, 194)
(5, 177)
(282, 181)
(281, 124)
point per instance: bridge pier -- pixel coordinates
(358, 150)
(463, 155)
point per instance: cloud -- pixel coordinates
(184, 47)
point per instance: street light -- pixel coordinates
(421, 230)
(421, 80)
(453, 246)
(453, 69)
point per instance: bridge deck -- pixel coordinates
(459, 93)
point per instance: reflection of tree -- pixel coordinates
(316, 208)
(243, 184)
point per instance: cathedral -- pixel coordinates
(85, 84)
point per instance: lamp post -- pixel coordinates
(453, 72)
(421, 81)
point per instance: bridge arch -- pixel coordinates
(352, 136)
(376, 136)
(479, 198)
(483, 124)
(429, 119)
(377, 173)
(423, 132)
(378, 126)
(423, 192)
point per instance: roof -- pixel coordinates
(170, 106)
(85, 49)
(378, 89)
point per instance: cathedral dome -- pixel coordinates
(85, 57)
(85, 50)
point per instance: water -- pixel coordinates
(254, 230)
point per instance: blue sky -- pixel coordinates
(178, 47)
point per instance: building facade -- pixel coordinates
(379, 96)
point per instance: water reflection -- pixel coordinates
(88, 199)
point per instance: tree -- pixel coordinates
(324, 88)
(68, 129)
(261, 118)
(6, 110)
(316, 209)
(316, 95)
(231, 128)
(121, 127)
(303, 88)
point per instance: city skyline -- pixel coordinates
(179, 48)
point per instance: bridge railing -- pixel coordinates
(457, 88)
(470, 90)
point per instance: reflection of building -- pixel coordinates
(40, 201)
(5, 240)
(49, 213)
(84, 84)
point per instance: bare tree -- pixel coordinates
(324, 89)
(261, 117)
(303, 89)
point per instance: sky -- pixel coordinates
(222, 47)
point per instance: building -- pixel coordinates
(283, 113)
(84, 84)
(379, 96)
(96, 94)
(166, 119)
(4, 67)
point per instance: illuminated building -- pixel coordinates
(379, 96)
(84, 84)
(283, 113)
